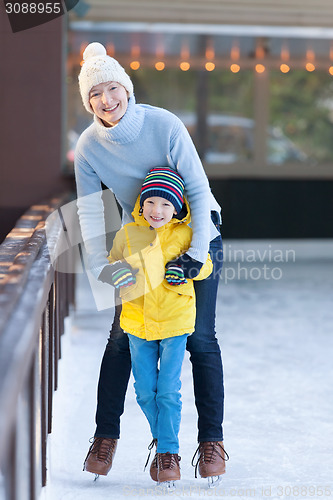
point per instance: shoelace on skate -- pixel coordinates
(207, 454)
(150, 447)
(104, 450)
(167, 460)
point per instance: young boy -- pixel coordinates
(158, 307)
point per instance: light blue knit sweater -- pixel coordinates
(120, 157)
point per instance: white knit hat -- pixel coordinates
(97, 68)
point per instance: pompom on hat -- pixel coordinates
(97, 68)
(166, 183)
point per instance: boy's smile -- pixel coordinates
(158, 211)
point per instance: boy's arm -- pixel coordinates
(118, 245)
(118, 273)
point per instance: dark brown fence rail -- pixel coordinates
(34, 302)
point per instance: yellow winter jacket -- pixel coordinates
(153, 309)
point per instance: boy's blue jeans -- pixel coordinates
(205, 356)
(158, 389)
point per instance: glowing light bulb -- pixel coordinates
(184, 66)
(210, 66)
(160, 65)
(260, 68)
(234, 68)
(310, 66)
(284, 68)
(135, 65)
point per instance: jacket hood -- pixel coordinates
(139, 218)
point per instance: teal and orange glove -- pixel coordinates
(174, 274)
(119, 274)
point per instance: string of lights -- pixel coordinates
(185, 61)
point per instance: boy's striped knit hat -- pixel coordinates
(166, 183)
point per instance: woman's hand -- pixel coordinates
(119, 274)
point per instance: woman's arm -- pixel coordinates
(188, 163)
(91, 214)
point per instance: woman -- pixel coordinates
(124, 141)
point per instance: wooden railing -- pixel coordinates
(34, 302)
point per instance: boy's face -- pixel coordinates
(109, 102)
(158, 211)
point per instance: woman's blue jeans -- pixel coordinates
(205, 356)
(158, 388)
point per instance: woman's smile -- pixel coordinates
(109, 102)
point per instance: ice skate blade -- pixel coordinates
(96, 477)
(169, 486)
(214, 481)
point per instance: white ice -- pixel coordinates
(275, 329)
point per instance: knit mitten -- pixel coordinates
(190, 267)
(119, 274)
(174, 274)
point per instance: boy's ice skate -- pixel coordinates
(211, 461)
(100, 456)
(168, 470)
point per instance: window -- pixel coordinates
(301, 117)
(244, 123)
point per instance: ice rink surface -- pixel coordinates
(275, 329)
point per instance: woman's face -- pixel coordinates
(109, 102)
